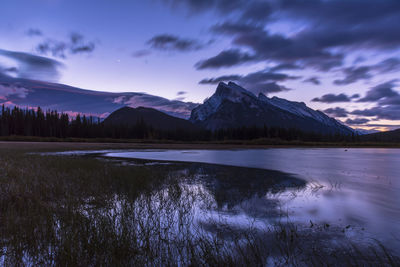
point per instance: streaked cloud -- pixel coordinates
(76, 44)
(337, 112)
(171, 42)
(357, 121)
(313, 80)
(34, 32)
(31, 66)
(332, 98)
(260, 81)
(7, 90)
(227, 58)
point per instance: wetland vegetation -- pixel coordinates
(88, 211)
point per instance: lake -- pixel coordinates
(331, 196)
(354, 188)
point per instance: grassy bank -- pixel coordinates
(256, 143)
(82, 211)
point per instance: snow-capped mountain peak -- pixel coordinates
(300, 109)
(233, 92)
(263, 97)
(230, 91)
(242, 107)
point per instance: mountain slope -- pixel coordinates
(152, 117)
(232, 106)
(360, 131)
(389, 136)
(23, 92)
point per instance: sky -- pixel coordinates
(339, 56)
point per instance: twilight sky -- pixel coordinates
(339, 56)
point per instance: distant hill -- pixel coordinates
(389, 136)
(152, 117)
(232, 106)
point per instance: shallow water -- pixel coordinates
(278, 207)
(355, 188)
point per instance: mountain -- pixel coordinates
(389, 136)
(364, 132)
(30, 93)
(232, 106)
(152, 117)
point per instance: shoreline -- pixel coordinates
(56, 145)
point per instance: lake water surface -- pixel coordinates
(354, 188)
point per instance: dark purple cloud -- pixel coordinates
(332, 98)
(233, 28)
(224, 78)
(181, 93)
(385, 113)
(339, 12)
(8, 70)
(257, 11)
(337, 112)
(286, 66)
(224, 7)
(314, 80)
(333, 29)
(387, 101)
(342, 11)
(30, 66)
(226, 58)
(354, 74)
(388, 65)
(254, 77)
(261, 76)
(76, 44)
(34, 32)
(357, 121)
(53, 48)
(266, 46)
(174, 43)
(267, 87)
(381, 91)
(357, 73)
(260, 81)
(356, 23)
(141, 53)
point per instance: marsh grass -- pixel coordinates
(82, 211)
(213, 144)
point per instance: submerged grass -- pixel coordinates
(82, 211)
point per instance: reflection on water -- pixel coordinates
(156, 201)
(80, 211)
(356, 187)
(231, 186)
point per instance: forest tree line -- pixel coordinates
(28, 122)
